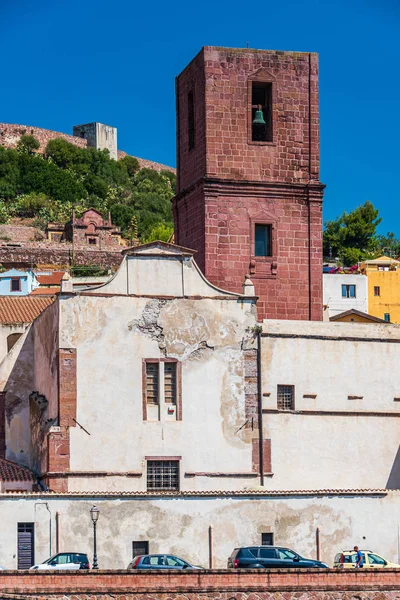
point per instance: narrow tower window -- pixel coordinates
(191, 131)
(262, 240)
(261, 111)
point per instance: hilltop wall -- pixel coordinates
(10, 134)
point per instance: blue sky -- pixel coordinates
(71, 62)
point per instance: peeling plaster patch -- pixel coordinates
(190, 333)
(249, 340)
(198, 353)
(148, 322)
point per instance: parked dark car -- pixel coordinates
(270, 557)
(160, 561)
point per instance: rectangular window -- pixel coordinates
(139, 548)
(92, 241)
(285, 397)
(170, 383)
(262, 240)
(191, 129)
(161, 389)
(261, 111)
(377, 290)
(267, 539)
(348, 291)
(15, 284)
(386, 316)
(162, 475)
(152, 387)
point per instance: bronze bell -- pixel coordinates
(259, 117)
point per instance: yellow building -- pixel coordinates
(383, 287)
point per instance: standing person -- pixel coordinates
(359, 558)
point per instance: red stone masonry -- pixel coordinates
(216, 584)
(67, 386)
(10, 134)
(227, 183)
(58, 442)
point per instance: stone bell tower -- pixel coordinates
(249, 199)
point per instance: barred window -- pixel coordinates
(286, 397)
(163, 475)
(170, 383)
(152, 383)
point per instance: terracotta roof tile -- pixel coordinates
(53, 279)
(217, 494)
(22, 309)
(45, 291)
(10, 471)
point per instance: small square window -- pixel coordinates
(267, 539)
(92, 241)
(386, 317)
(377, 290)
(263, 240)
(348, 291)
(162, 475)
(285, 397)
(139, 548)
(15, 284)
(261, 111)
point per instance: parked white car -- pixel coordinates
(65, 561)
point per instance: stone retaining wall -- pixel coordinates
(329, 584)
(56, 257)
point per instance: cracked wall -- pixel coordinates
(112, 336)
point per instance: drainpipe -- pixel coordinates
(210, 547)
(57, 532)
(318, 544)
(260, 417)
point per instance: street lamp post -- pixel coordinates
(94, 513)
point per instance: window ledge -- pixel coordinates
(252, 143)
(224, 474)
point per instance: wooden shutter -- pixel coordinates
(152, 394)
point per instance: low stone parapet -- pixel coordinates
(315, 584)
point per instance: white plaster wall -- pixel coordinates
(330, 450)
(332, 293)
(180, 525)
(163, 274)
(106, 138)
(110, 348)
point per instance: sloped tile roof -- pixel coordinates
(10, 471)
(53, 279)
(45, 291)
(22, 309)
(216, 493)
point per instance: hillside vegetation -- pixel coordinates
(48, 187)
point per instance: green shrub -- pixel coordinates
(27, 144)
